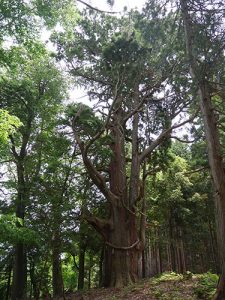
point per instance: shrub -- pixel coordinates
(206, 286)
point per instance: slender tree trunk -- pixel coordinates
(181, 252)
(148, 266)
(20, 261)
(81, 274)
(213, 143)
(169, 257)
(172, 246)
(213, 247)
(57, 281)
(89, 271)
(101, 260)
(34, 284)
(8, 282)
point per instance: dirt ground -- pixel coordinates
(178, 289)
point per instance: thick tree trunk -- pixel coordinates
(121, 256)
(19, 273)
(218, 174)
(213, 247)
(120, 232)
(123, 238)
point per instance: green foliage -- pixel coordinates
(21, 19)
(126, 54)
(84, 119)
(167, 276)
(172, 187)
(172, 286)
(8, 125)
(109, 56)
(206, 286)
(53, 12)
(16, 19)
(69, 274)
(13, 230)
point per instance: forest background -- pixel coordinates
(131, 186)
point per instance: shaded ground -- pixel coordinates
(166, 287)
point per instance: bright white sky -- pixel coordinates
(118, 5)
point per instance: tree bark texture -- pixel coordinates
(124, 233)
(120, 231)
(19, 273)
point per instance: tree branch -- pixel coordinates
(95, 176)
(163, 136)
(197, 170)
(97, 9)
(144, 99)
(180, 140)
(106, 122)
(101, 225)
(15, 154)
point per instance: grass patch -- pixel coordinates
(167, 276)
(206, 286)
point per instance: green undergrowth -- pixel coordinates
(167, 286)
(206, 286)
(173, 286)
(167, 276)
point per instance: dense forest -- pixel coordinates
(131, 186)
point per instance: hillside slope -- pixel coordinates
(169, 286)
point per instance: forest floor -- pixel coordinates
(169, 286)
